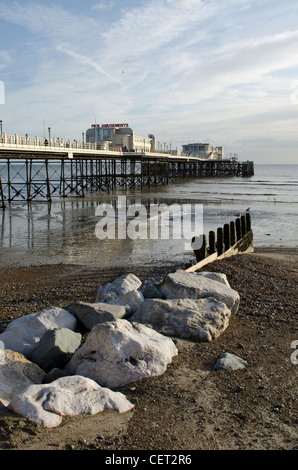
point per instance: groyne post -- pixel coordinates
(233, 237)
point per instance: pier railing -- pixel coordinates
(234, 237)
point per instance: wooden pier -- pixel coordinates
(40, 171)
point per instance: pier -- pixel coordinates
(38, 169)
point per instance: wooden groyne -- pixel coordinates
(233, 238)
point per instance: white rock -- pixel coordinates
(67, 396)
(131, 301)
(24, 333)
(118, 287)
(16, 374)
(182, 284)
(219, 277)
(199, 320)
(117, 353)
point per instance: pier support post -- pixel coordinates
(2, 198)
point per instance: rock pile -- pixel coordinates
(50, 369)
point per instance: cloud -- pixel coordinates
(103, 5)
(87, 61)
(52, 22)
(166, 67)
(5, 59)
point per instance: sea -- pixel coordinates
(86, 231)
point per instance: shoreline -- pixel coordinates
(190, 406)
(30, 261)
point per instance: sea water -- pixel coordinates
(64, 232)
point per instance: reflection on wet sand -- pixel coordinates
(65, 232)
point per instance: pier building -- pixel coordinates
(119, 137)
(204, 151)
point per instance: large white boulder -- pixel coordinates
(68, 396)
(16, 374)
(121, 285)
(199, 320)
(182, 285)
(120, 352)
(219, 277)
(23, 334)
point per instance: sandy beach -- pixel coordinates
(191, 406)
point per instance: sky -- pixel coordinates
(217, 71)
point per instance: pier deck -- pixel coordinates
(33, 169)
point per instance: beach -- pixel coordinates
(191, 406)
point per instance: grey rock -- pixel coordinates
(92, 313)
(55, 374)
(23, 334)
(199, 320)
(151, 291)
(182, 284)
(55, 348)
(230, 361)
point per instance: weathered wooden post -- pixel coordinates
(238, 229)
(200, 253)
(248, 222)
(243, 225)
(232, 233)
(227, 237)
(212, 244)
(219, 241)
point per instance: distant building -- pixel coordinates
(204, 151)
(119, 137)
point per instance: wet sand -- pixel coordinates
(191, 406)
